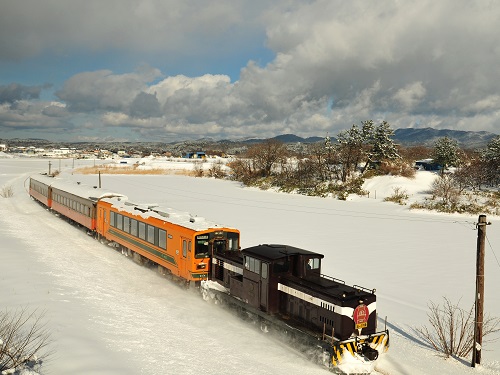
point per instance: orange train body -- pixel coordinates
(175, 240)
(180, 243)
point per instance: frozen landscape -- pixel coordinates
(110, 316)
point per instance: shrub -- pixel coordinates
(351, 186)
(399, 196)
(445, 188)
(397, 168)
(452, 329)
(217, 170)
(24, 339)
(198, 169)
(7, 192)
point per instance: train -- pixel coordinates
(279, 287)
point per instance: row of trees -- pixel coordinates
(322, 167)
(339, 167)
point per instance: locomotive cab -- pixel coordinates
(262, 268)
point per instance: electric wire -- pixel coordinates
(287, 207)
(493, 251)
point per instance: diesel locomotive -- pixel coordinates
(280, 287)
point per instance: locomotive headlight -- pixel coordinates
(201, 266)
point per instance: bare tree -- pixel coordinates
(445, 187)
(451, 330)
(267, 155)
(24, 339)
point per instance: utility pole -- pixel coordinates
(479, 305)
(49, 167)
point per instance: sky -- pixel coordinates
(169, 70)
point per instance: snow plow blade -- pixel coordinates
(360, 350)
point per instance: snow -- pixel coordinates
(108, 315)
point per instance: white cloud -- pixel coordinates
(427, 63)
(410, 95)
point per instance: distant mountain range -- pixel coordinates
(428, 136)
(408, 137)
(286, 138)
(404, 137)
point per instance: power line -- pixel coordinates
(493, 251)
(288, 207)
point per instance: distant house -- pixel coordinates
(428, 165)
(195, 155)
(3, 147)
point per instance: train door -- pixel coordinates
(264, 285)
(101, 217)
(183, 259)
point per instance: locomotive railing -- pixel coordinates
(372, 291)
(333, 279)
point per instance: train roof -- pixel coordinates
(181, 218)
(273, 251)
(327, 287)
(92, 193)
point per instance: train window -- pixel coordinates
(264, 270)
(126, 224)
(112, 219)
(133, 227)
(119, 221)
(142, 230)
(313, 264)
(219, 246)
(252, 264)
(162, 239)
(201, 246)
(184, 248)
(151, 234)
(232, 239)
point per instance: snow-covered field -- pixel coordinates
(110, 316)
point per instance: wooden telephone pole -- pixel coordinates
(479, 305)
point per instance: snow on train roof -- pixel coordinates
(171, 215)
(77, 189)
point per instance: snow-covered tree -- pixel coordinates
(365, 145)
(492, 151)
(381, 145)
(491, 161)
(446, 152)
(350, 150)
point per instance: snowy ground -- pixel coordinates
(110, 316)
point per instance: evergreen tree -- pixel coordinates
(490, 161)
(446, 153)
(380, 144)
(492, 152)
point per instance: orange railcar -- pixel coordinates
(71, 199)
(182, 244)
(40, 189)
